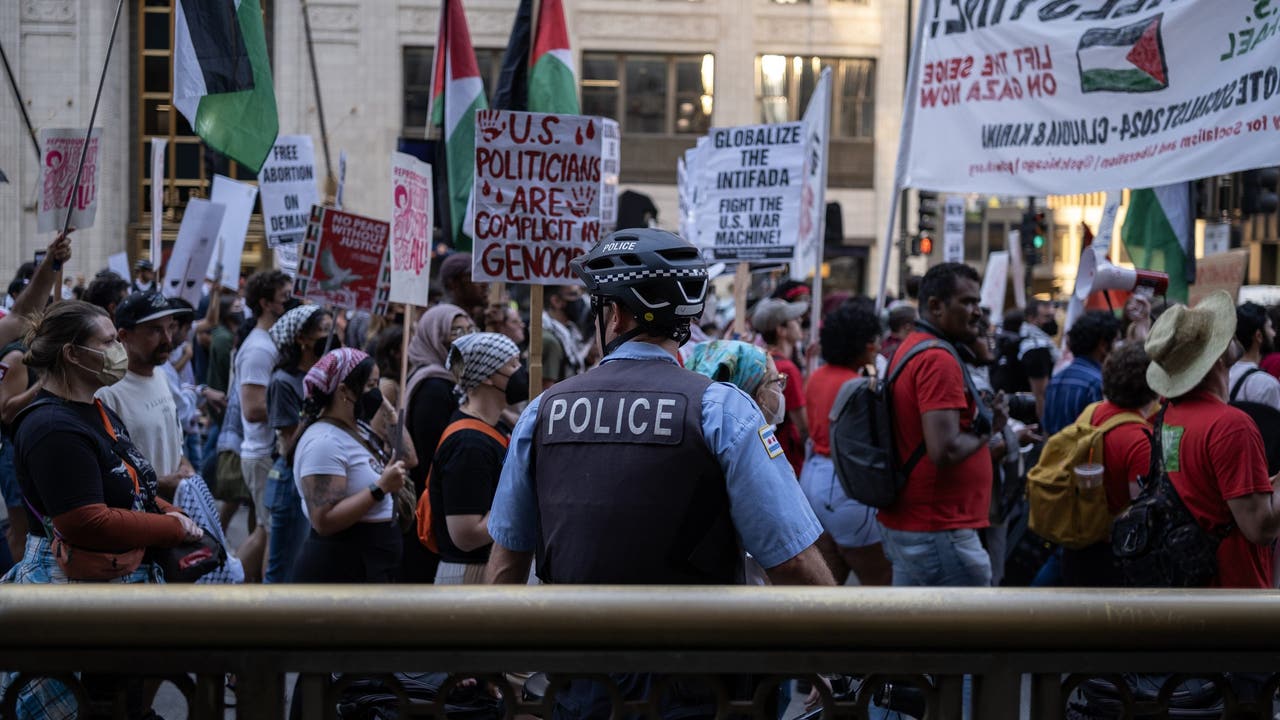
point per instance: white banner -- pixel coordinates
(994, 281)
(197, 238)
(813, 192)
(410, 229)
(238, 198)
(118, 263)
(539, 183)
(288, 185)
(61, 149)
(953, 229)
(1041, 97)
(750, 181)
(158, 150)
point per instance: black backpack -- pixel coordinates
(862, 446)
(1266, 417)
(1156, 541)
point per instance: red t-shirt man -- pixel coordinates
(1126, 455)
(1213, 453)
(935, 499)
(820, 394)
(787, 432)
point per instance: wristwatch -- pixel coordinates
(377, 492)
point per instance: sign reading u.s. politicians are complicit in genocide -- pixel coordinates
(1067, 96)
(541, 187)
(749, 191)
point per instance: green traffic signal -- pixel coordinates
(1038, 241)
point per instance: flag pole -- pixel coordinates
(330, 182)
(904, 154)
(22, 106)
(93, 116)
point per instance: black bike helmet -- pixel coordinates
(658, 276)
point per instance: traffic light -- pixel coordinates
(926, 212)
(1034, 236)
(921, 244)
(1258, 191)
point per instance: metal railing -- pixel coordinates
(1025, 650)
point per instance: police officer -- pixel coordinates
(638, 471)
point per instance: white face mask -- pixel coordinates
(779, 411)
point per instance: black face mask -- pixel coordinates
(236, 318)
(576, 310)
(368, 404)
(517, 386)
(1050, 328)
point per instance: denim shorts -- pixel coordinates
(850, 523)
(945, 558)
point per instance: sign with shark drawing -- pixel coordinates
(344, 261)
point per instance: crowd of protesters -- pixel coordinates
(115, 398)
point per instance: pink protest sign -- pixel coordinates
(60, 148)
(410, 229)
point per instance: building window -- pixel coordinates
(417, 61)
(190, 165)
(784, 84)
(650, 94)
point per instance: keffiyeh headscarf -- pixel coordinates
(474, 358)
(732, 361)
(326, 375)
(285, 330)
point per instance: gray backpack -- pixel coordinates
(862, 446)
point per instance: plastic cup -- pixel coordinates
(1088, 475)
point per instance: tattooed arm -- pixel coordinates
(332, 510)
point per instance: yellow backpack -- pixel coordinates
(1060, 511)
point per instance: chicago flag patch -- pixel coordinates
(770, 440)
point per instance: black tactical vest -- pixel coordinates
(628, 491)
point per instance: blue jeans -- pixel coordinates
(208, 466)
(9, 486)
(288, 525)
(946, 558)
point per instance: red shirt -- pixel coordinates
(934, 499)
(788, 434)
(820, 394)
(1126, 454)
(1213, 453)
(1271, 363)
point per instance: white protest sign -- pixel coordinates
(238, 198)
(538, 187)
(286, 257)
(813, 193)
(288, 185)
(751, 178)
(197, 238)
(1017, 272)
(118, 263)
(953, 229)
(994, 281)
(1107, 225)
(158, 146)
(1217, 239)
(410, 229)
(60, 149)
(1051, 97)
(610, 166)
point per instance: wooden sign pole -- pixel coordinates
(535, 341)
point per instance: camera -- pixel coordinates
(1022, 407)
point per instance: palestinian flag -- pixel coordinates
(1128, 59)
(553, 84)
(456, 94)
(1157, 233)
(222, 77)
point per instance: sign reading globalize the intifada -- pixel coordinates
(1051, 97)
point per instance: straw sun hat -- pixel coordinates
(1185, 343)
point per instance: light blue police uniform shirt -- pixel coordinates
(770, 512)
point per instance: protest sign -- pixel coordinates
(61, 148)
(118, 263)
(610, 166)
(288, 185)
(286, 256)
(750, 191)
(953, 229)
(197, 238)
(1017, 271)
(158, 146)
(1046, 97)
(994, 282)
(1224, 271)
(239, 199)
(1217, 239)
(410, 229)
(343, 261)
(813, 191)
(539, 183)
